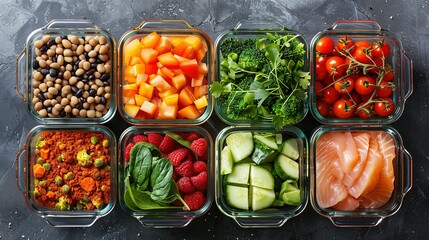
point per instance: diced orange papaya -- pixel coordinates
(167, 72)
(131, 110)
(148, 55)
(177, 71)
(160, 83)
(180, 49)
(131, 49)
(131, 101)
(201, 90)
(172, 99)
(159, 64)
(180, 58)
(139, 69)
(175, 41)
(146, 90)
(189, 112)
(196, 82)
(168, 60)
(129, 74)
(135, 60)
(142, 115)
(201, 102)
(139, 99)
(167, 111)
(163, 45)
(150, 40)
(151, 68)
(179, 81)
(189, 52)
(149, 108)
(128, 90)
(200, 54)
(193, 41)
(141, 78)
(202, 68)
(186, 97)
(167, 92)
(190, 68)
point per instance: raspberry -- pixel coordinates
(167, 144)
(200, 181)
(177, 202)
(175, 176)
(184, 185)
(199, 166)
(177, 156)
(192, 136)
(185, 169)
(127, 152)
(195, 200)
(139, 138)
(154, 138)
(199, 147)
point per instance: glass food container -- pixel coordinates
(52, 178)
(356, 201)
(66, 73)
(397, 64)
(258, 107)
(171, 214)
(228, 187)
(165, 69)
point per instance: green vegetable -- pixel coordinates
(40, 160)
(61, 157)
(267, 81)
(178, 139)
(68, 176)
(65, 189)
(98, 162)
(62, 204)
(40, 143)
(140, 165)
(97, 202)
(58, 180)
(240, 144)
(105, 143)
(160, 179)
(42, 183)
(94, 140)
(47, 166)
(83, 158)
(36, 193)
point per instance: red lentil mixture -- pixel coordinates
(72, 170)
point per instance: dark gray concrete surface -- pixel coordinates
(409, 20)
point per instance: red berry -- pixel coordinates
(199, 147)
(167, 144)
(177, 156)
(154, 138)
(184, 185)
(185, 169)
(195, 200)
(200, 181)
(192, 136)
(127, 152)
(199, 166)
(177, 202)
(175, 176)
(139, 138)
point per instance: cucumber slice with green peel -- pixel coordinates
(286, 168)
(279, 138)
(287, 186)
(226, 161)
(240, 174)
(261, 198)
(261, 177)
(263, 154)
(267, 141)
(290, 148)
(240, 144)
(292, 198)
(237, 197)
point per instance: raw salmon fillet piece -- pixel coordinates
(362, 144)
(348, 204)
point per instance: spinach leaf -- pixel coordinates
(128, 199)
(142, 167)
(160, 179)
(179, 139)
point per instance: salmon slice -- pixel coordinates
(349, 155)
(370, 176)
(329, 188)
(361, 140)
(348, 204)
(383, 191)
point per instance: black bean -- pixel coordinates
(60, 75)
(90, 72)
(105, 77)
(92, 92)
(82, 99)
(106, 83)
(75, 67)
(79, 93)
(54, 59)
(44, 48)
(79, 106)
(91, 77)
(35, 64)
(74, 89)
(98, 61)
(85, 80)
(51, 42)
(44, 71)
(49, 109)
(103, 100)
(63, 113)
(93, 66)
(53, 72)
(79, 78)
(41, 97)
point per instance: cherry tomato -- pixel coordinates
(365, 112)
(321, 72)
(330, 95)
(389, 74)
(325, 45)
(343, 108)
(365, 85)
(345, 85)
(355, 97)
(384, 107)
(362, 55)
(380, 49)
(329, 79)
(321, 59)
(345, 44)
(335, 65)
(364, 44)
(378, 62)
(384, 90)
(319, 87)
(322, 108)
(365, 98)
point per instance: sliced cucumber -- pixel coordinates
(286, 168)
(261, 177)
(292, 197)
(279, 138)
(240, 144)
(226, 161)
(287, 186)
(290, 148)
(240, 174)
(237, 197)
(261, 197)
(263, 154)
(268, 141)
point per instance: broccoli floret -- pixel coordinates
(105, 143)
(239, 103)
(42, 183)
(252, 59)
(61, 157)
(291, 112)
(47, 166)
(98, 202)
(65, 189)
(94, 140)
(62, 204)
(40, 160)
(231, 45)
(58, 180)
(36, 193)
(83, 158)
(295, 50)
(68, 176)
(107, 168)
(98, 162)
(40, 143)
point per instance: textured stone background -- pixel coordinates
(409, 20)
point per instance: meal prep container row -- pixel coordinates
(177, 218)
